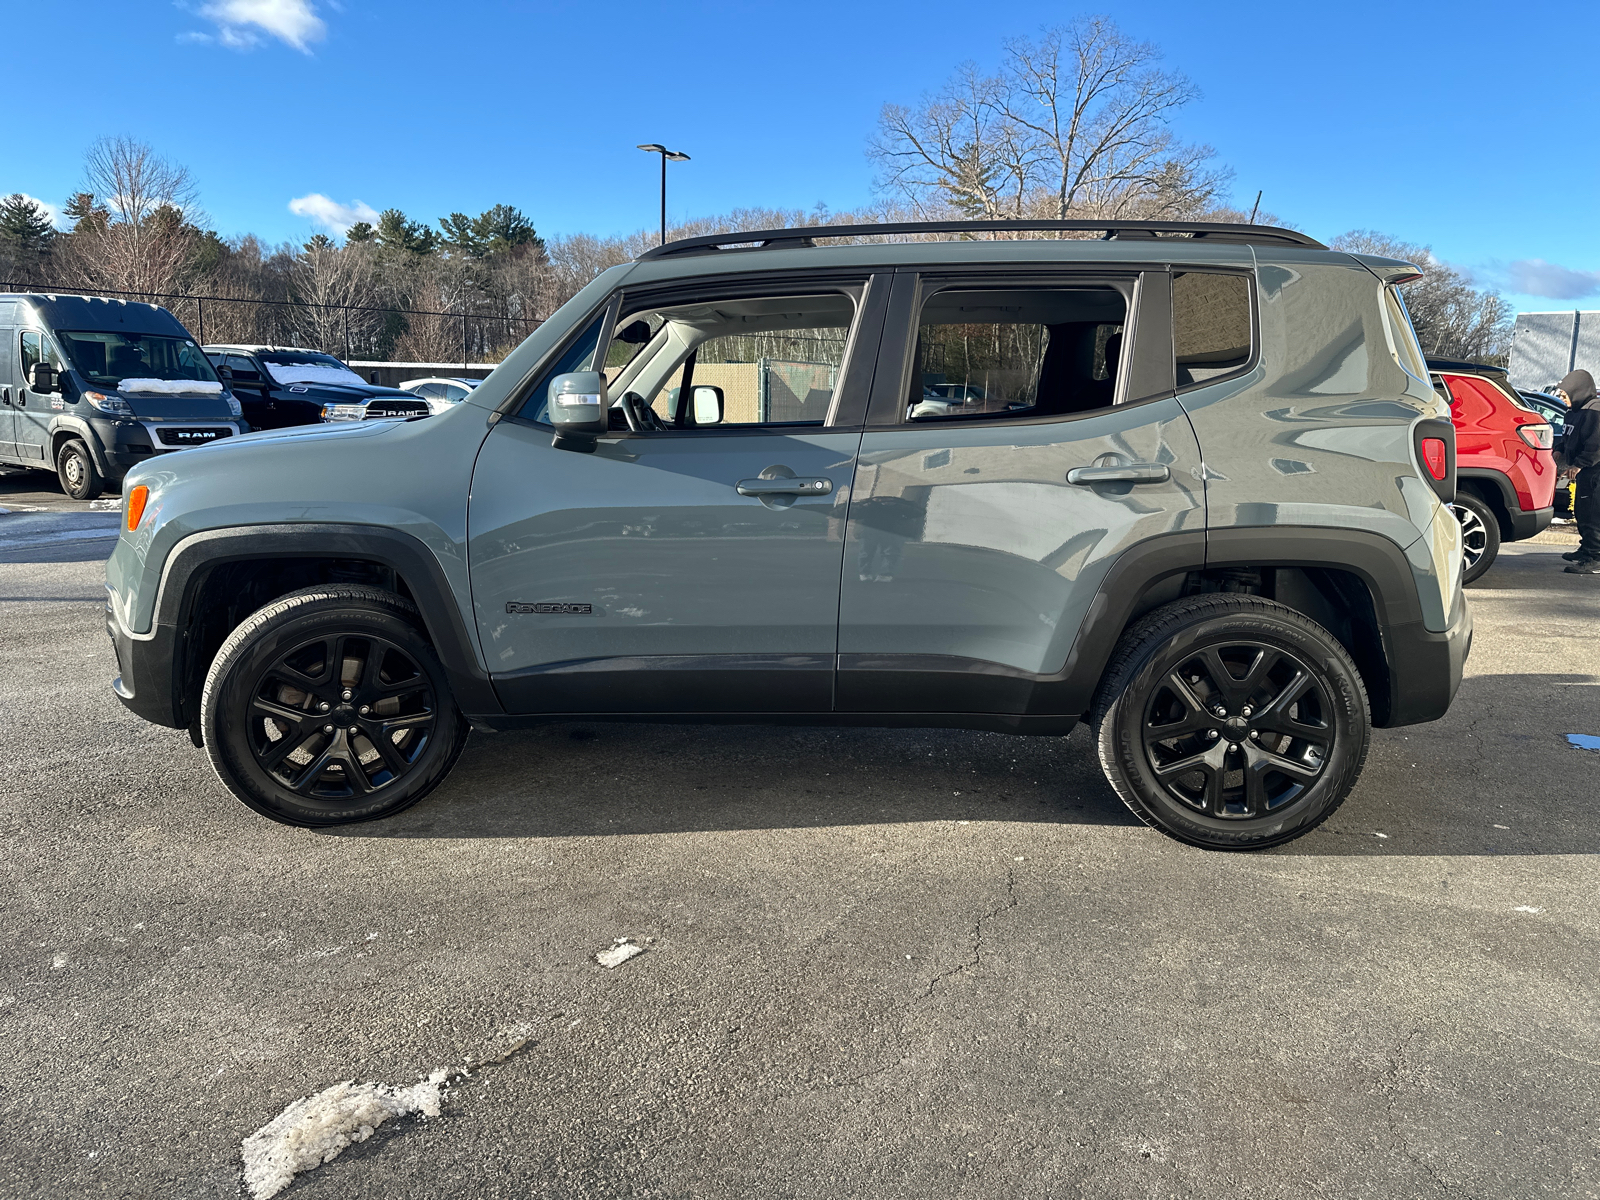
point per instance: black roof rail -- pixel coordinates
(785, 239)
(1460, 364)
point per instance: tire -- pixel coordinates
(273, 695)
(75, 468)
(1480, 536)
(1280, 664)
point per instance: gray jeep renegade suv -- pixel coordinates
(1184, 483)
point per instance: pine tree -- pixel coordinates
(25, 226)
(503, 228)
(85, 213)
(396, 232)
(361, 231)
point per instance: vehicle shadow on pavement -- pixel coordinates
(1496, 776)
(599, 778)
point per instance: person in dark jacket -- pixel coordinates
(1580, 450)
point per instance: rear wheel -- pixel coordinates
(329, 707)
(1231, 722)
(80, 478)
(1480, 535)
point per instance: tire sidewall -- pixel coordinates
(91, 486)
(1121, 731)
(225, 719)
(1491, 549)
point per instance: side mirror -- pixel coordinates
(42, 378)
(225, 373)
(707, 404)
(578, 410)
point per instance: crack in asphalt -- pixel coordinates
(1398, 1061)
(1010, 902)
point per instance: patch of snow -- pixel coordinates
(1584, 741)
(316, 1129)
(107, 505)
(287, 373)
(171, 387)
(1527, 908)
(1384, 836)
(621, 951)
(58, 962)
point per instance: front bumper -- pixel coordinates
(1425, 668)
(1525, 523)
(147, 680)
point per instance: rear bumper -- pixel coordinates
(146, 683)
(1425, 668)
(1525, 523)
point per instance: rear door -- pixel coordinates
(691, 566)
(982, 530)
(8, 382)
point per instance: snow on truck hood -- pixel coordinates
(171, 387)
(287, 373)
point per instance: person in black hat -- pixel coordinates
(1580, 450)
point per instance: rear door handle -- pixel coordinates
(1132, 473)
(785, 487)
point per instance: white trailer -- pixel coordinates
(1546, 345)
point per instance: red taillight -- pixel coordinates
(1435, 458)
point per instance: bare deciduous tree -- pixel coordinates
(329, 279)
(146, 237)
(1452, 318)
(1075, 123)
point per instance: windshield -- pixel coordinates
(307, 366)
(108, 358)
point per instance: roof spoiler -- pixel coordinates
(1390, 270)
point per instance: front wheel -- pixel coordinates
(1480, 536)
(80, 478)
(1231, 722)
(329, 707)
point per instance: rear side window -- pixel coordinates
(1211, 326)
(1016, 353)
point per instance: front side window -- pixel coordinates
(1211, 326)
(107, 359)
(768, 360)
(1004, 352)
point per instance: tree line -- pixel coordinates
(1075, 123)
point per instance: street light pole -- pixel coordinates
(675, 156)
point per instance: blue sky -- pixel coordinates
(1452, 124)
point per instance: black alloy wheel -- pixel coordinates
(1231, 722)
(339, 717)
(329, 706)
(1238, 730)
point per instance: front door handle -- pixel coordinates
(785, 487)
(1132, 473)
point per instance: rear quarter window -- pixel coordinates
(1211, 325)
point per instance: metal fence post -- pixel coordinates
(200, 307)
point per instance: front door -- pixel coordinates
(691, 563)
(31, 411)
(1027, 435)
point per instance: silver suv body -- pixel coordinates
(1184, 483)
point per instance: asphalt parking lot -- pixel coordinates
(879, 963)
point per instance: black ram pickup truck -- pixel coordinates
(279, 386)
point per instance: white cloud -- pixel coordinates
(241, 23)
(330, 214)
(1535, 277)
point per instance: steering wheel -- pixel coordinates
(640, 416)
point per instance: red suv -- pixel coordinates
(1505, 473)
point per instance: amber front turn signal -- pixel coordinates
(137, 499)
